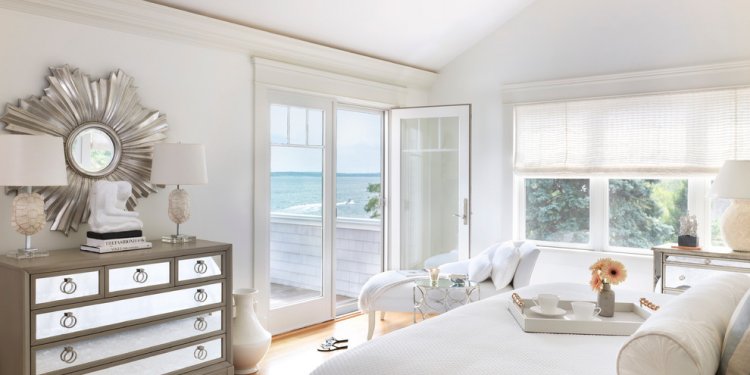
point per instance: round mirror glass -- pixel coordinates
(93, 150)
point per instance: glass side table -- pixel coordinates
(442, 296)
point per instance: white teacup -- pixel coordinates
(547, 302)
(585, 310)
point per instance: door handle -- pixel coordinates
(465, 215)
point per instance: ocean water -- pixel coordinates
(302, 192)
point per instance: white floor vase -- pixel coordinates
(250, 341)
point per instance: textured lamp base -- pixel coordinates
(28, 253)
(178, 238)
(735, 224)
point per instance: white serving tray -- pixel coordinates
(626, 320)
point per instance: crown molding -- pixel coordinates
(346, 89)
(736, 73)
(154, 20)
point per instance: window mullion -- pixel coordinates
(519, 207)
(699, 205)
(599, 213)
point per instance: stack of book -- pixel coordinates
(115, 241)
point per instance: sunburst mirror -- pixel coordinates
(107, 135)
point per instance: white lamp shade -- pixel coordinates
(32, 160)
(733, 180)
(179, 164)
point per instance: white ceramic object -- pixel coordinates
(585, 310)
(547, 302)
(734, 225)
(250, 341)
(27, 215)
(107, 201)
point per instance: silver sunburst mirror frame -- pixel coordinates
(107, 135)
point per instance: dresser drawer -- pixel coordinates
(190, 269)
(59, 323)
(69, 287)
(112, 345)
(678, 278)
(123, 279)
(200, 354)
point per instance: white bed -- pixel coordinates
(483, 338)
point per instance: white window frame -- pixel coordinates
(701, 77)
(699, 204)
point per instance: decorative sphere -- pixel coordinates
(27, 215)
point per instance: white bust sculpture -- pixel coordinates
(107, 202)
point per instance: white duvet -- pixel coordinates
(483, 338)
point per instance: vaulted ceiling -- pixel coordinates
(426, 34)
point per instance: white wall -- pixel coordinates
(554, 39)
(206, 94)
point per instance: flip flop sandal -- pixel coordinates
(331, 348)
(332, 340)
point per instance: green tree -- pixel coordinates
(557, 210)
(372, 206)
(635, 217)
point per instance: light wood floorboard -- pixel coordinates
(296, 352)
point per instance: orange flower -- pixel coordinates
(596, 282)
(598, 265)
(614, 272)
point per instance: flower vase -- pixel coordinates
(606, 300)
(250, 341)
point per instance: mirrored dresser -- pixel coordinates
(676, 270)
(164, 310)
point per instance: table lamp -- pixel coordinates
(733, 182)
(30, 160)
(179, 164)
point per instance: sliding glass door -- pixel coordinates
(300, 211)
(359, 196)
(318, 207)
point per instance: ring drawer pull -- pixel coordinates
(68, 286)
(68, 355)
(200, 353)
(200, 267)
(200, 295)
(68, 320)
(682, 277)
(140, 276)
(200, 324)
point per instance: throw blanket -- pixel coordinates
(383, 282)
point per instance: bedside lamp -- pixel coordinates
(30, 160)
(179, 164)
(733, 182)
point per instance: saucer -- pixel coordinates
(572, 317)
(538, 310)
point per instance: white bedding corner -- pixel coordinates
(483, 338)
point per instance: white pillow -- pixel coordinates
(504, 263)
(460, 267)
(735, 353)
(480, 267)
(685, 335)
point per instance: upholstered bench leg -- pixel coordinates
(382, 315)
(371, 324)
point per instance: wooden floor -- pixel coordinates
(295, 352)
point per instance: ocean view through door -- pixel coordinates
(300, 212)
(324, 229)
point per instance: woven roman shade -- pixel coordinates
(683, 133)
